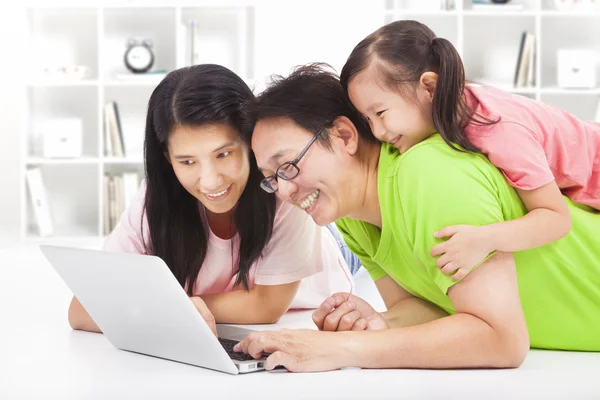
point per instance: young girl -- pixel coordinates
(242, 256)
(410, 84)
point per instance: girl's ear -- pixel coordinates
(428, 82)
(345, 130)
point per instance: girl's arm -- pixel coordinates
(264, 304)
(548, 219)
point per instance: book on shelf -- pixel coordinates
(114, 145)
(118, 191)
(525, 68)
(39, 201)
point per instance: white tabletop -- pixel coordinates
(41, 357)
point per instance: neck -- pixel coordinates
(367, 206)
(222, 225)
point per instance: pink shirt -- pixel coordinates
(298, 250)
(535, 143)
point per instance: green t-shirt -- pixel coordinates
(432, 186)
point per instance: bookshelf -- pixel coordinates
(95, 37)
(488, 40)
(254, 38)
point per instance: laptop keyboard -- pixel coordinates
(228, 346)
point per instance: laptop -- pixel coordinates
(140, 307)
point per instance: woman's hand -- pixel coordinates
(467, 247)
(205, 313)
(346, 312)
(297, 350)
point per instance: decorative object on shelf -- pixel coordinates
(66, 72)
(496, 5)
(577, 68)
(576, 5)
(139, 55)
(62, 138)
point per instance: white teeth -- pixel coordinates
(309, 200)
(217, 194)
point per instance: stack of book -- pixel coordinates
(525, 69)
(114, 145)
(119, 189)
(39, 201)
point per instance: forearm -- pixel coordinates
(412, 311)
(242, 307)
(79, 319)
(457, 341)
(537, 228)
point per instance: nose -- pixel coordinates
(209, 178)
(378, 130)
(286, 189)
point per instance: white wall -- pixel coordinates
(12, 46)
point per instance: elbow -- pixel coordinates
(513, 350)
(567, 223)
(74, 321)
(563, 224)
(271, 316)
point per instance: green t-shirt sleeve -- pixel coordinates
(352, 241)
(440, 187)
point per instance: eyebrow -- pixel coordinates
(373, 106)
(275, 157)
(228, 144)
(185, 156)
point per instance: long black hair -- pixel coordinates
(402, 51)
(195, 96)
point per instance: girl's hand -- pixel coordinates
(467, 247)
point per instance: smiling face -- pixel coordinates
(212, 163)
(393, 119)
(321, 187)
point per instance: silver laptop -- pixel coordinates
(140, 307)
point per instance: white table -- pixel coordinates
(41, 357)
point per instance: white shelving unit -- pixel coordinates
(488, 42)
(96, 37)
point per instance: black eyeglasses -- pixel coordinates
(288, 170)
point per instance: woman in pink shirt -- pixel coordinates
(241, 255)
(410, 84)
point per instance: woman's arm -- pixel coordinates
(264, 304)
(79, 318)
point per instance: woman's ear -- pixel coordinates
(427, 83)
(345, 130)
